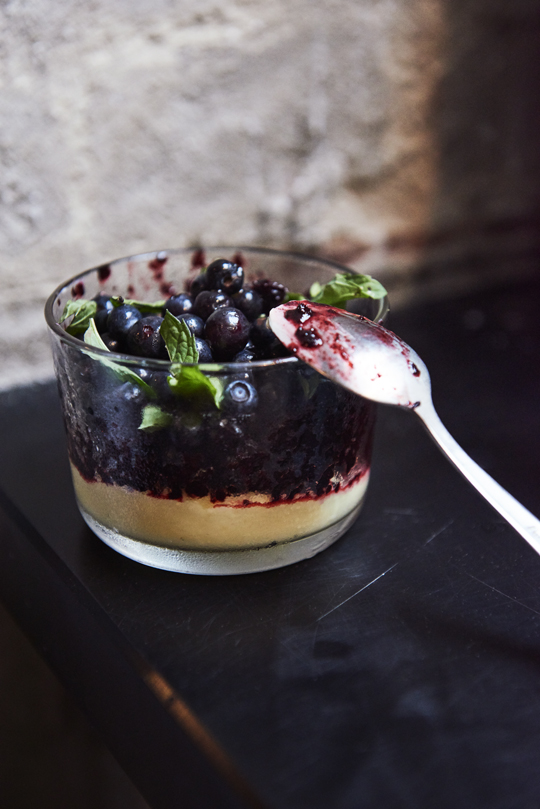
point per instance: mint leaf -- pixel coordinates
(293, 296)
(144, 307)
(154, 418)
(81, 312)
(345, 287)
(93, 338)
(189, 381)
(315, 289)
(219, 388)
(180, 342)
(310, 384)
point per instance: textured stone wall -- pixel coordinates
(397, 135)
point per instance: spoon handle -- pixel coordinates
(508, 507)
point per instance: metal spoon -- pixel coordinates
(373, 362)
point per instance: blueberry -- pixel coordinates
(264, 339)
(240, 397)
(267, 345)
(227, 332)
(103, 302)
(197, 285)
(248, 353)
(179, 304)
(224, 275)
(249, 302)
(194, 323)
(158, 381)
(100, 320)
(128, 392)
(208, 301)
(278, 350)
(144, 339)
(104, 307)
(145, 374)
(272, 293)
(205, 352)
(111, 343)
(120, 321)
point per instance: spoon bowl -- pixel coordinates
(374, 363)
(350, 349)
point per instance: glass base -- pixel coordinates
(226, 562)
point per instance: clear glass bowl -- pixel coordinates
(211, 489)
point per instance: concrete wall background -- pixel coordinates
(396, 135)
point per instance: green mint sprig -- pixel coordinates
(154, 418)
(342, 288)
(93, 338)
(345, 287)
(144, 307)
(187, 380)
(180, 342)
(310, 384)
(81, 312)
(294, 296)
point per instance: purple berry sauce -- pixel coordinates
(304, 437)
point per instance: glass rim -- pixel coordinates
(213, 367)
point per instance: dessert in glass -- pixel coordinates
(239, 460)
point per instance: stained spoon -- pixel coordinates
(373, 362)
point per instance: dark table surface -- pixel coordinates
(399, 668)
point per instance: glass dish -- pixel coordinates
(215, 488)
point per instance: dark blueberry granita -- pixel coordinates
(191, 430)
(280, 434)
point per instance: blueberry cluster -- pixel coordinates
(227, 317)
